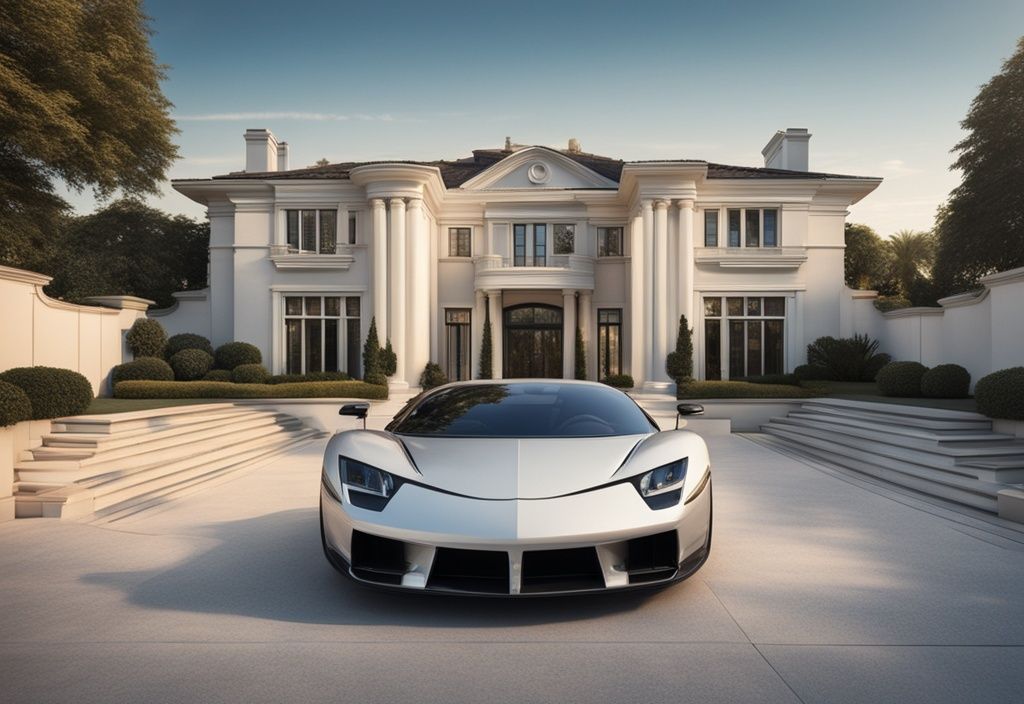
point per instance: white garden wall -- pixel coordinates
(982, 330)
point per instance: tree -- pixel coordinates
(679, 363)
(866, 259)
(80, 101)
(486, 370)
(581, 356)
(388, 360)
(912, 255)
(981, 227)
(130, 249)
(372, 372)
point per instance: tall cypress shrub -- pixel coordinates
(581, 355)
(679, 363)
(372, 371)
(486, 370)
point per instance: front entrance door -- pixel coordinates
(533, 342)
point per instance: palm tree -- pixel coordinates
(913, 254)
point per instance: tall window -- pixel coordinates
(459, 239)
(565, 239)
(352, 228)
(734, 227)
(456, 322)
(530, 245)
(710, 228)
(609, 342)
(312, 230)
(771, 228)
(540, 245)
(753, 328)
(609, 241)
(321, 334)
(753, 227)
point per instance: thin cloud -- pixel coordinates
(297, 116)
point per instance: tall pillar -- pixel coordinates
(661, 295)
(647, 217)
(380, 266)
(685, 274)
(494, 310)
(418, 293)
(396, 331)
(637, 341)
(569, 333)
(477, 329)
(587, 326)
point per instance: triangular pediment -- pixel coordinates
(537, 168)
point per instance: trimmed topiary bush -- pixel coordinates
(485, 369)
(217, 375)
(53, 393)
(373, 371)
(679, 362)
(785, 379)
(847, 359)
(146, 338)
(389, 360)
(232, 354)
(14, 405)
(580, 361)
(250, 374)
(812, 372)
(217, 389)
(307, 377)
(143, 368)
(1001, 394)
(946, 381)
(901, 379)
(619, 381)
(187, 341)
(191, 365)
(432, 376)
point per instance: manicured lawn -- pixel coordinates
(124, 405)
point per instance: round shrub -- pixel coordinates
(619, 381)
(187, 341)
(946, 381)
(812, 372)
(901, 379)
(53, 393)
(146, 338)
(143, 369)
(233, 354)
(14, 405)
(1001, 394)
(250, 374)
(190, 365)
(217, 375)
(432, 376)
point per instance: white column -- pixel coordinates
(569, 333)
(637, 343)
(396, 332)
(685, 273)
(587, 326)
(418, 293)
(477, 329)
(647, 215)
(380, 267)
(661, 295)
(494, 309)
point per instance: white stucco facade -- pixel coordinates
(538, 241)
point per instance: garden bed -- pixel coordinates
(228, 390)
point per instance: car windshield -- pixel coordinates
(530, 410)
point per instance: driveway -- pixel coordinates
(820, 588)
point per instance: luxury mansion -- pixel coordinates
(537, 242)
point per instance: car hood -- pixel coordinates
(509, 468)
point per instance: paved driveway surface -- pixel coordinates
(819, 589)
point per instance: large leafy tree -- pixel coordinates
(128, 248)
(80, 102)
(981, 228)
(866, 259)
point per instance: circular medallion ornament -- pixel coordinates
(538, 173)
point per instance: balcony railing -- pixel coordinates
(285, 257)
(751, 257)
(554, 271)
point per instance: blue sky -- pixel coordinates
(881, 85)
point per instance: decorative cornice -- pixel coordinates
(122, 302)
(1003, 277)
(9, 273)
(913, 312)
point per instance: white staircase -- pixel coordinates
(110, 466)
(951, 455)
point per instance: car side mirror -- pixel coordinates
(356, 410)
(688, 409)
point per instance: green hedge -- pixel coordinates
(739, 389)
(53, 393)
(191, 364)
(250, 374)
(901, 379)
(812, 372)
(308, 376)
(218, 375)
(1001, 394)
(946, 381)
(143, 368)
(784, 379)
(220, 389)
(14, 405)
(146, 338)
(187, 341)
(233, 354)
(619, 381)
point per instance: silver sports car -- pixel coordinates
(517, 488)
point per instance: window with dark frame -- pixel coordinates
(754, 329)
(352, 228)
(710, 228)
(457, 335)
(609, 342)
(734, 227)
(314, 231)
(322, 334)
(609, 241)
(460, 241)
(540, 245)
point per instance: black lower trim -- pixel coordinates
(574, 569)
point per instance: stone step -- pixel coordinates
(65, 439)
(900, 417)
(897, 409)
(943, 436)
(110, 423)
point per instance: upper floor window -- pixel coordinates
(753, 227)
(312, 230)
(565, 239)
(530, 245)
(459, 241)
(352, 228)
(710, 228)
(609, 241)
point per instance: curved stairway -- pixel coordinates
(951, 455)
(110, 466)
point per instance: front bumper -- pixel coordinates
(429, 541)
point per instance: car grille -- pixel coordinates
(653, 557)
(377, 559)
(482, 571)
(561, 571)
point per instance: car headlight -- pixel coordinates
(368, 487)
(662, 486)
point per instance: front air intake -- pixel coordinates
(653, 557)
(479, 571)
(570, 570)
(376, 559)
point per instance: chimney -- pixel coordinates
(260, 151)
(574, 146)
(282, 156)
(787, 150)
